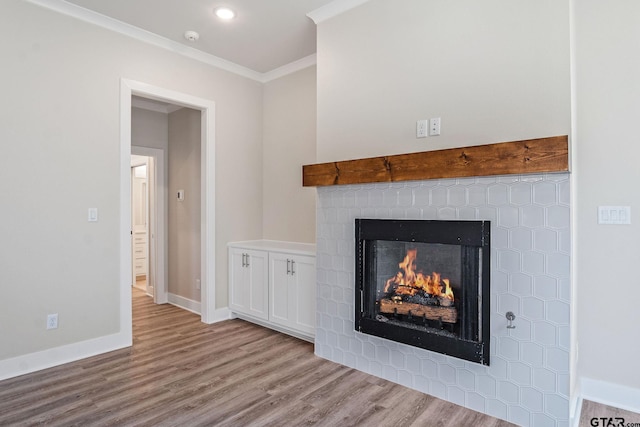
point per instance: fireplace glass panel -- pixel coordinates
(423, 283)
(419, 276)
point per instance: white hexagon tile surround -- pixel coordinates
(527, 380)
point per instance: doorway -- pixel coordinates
(207, 195)
(154, 283)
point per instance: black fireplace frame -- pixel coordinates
(474, 239)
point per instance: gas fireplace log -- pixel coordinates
(444, 314)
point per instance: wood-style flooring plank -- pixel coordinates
(611, 415)
(181, 372)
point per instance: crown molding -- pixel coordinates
(290, 68)
(134, 32)
(332, 9)
(95, 18)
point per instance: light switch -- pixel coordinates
(614, 214)
(93, 215)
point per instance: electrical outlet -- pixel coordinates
(52, 321)
(434, 126)
(197, 283)
(421, 128)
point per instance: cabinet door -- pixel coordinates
(292, 291)
(304, 288)
(258, 279)
(279, 301)
(238, 283)
(248, 291)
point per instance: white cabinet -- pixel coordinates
(248, 291)
(274, 284)
(140, 253)
(292, 291)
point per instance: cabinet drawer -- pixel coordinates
(139, 267)
(140, 250)
(139, 239)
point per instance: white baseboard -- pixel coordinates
(195, 307)
(221, 314)
(266, 324)
(184, 303)
(575, 409)
(616, 395)
(49, 358)
(33, 362)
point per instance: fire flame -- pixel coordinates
(408, 282)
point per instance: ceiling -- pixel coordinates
(264, 35)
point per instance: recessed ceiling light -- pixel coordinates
(225, 13)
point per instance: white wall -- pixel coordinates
(184, 216)
(289, 138)
(607, 66)
(60, 111)
(493, 70)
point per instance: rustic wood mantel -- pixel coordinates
(505, 158)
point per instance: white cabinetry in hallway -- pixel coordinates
(140, 219)
(273, 283)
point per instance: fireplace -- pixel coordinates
(425, 283)
(527, 381)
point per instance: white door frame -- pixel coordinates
(129, 88)
(157, 221)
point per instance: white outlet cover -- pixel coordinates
(434, 126)
(422, 128)
(92, 215)
(52, 321)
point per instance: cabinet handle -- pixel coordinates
(247, 260)
(244, 262)
(293, 264)
(288, 268)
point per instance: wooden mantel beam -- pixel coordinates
(505, 158)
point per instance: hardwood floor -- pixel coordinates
(233, 373)
(592, 410)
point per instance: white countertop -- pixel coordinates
(276, 246)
